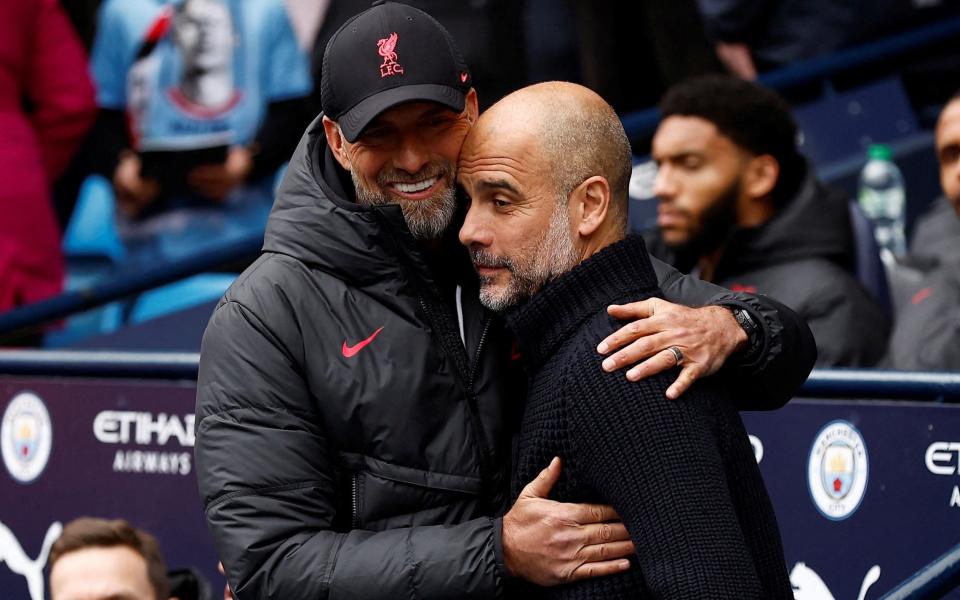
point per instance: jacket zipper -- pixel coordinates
(486, 466)
(465, 371)
(355, 501)
(486, 472)
(476, 359)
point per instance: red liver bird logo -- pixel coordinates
(387, 48)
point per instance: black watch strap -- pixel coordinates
(749, 327)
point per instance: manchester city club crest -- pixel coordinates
(837, 470)
(26, 437)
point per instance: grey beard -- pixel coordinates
(555, 254)
(426, 219)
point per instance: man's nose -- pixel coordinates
(664, 187)
(473, 230)
(412, 154)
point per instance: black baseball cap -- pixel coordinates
(387, 55)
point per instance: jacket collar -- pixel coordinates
(620, 270)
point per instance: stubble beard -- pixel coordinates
(426, 219)
(716, 225)
(554, 255)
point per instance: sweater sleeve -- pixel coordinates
(269, 485)
(658, 463)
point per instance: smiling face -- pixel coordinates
(518, 228)
(698, 181)
(948, 152)
(408, 156)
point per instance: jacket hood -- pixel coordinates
(316, 219)
(815, 223)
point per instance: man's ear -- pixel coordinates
(589, 205)
(472, 106)
(760, 176)
(336, 142)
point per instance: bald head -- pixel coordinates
(948, 151)
(546, 170)
(572, 133)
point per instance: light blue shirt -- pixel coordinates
(267, 66)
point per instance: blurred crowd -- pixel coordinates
(190, 108)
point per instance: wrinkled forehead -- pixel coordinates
(491, 161)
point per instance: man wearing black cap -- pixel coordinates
(354, 398)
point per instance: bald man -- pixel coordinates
(927, 326)
(546, 170)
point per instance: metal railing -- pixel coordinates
(822, 383)
(125, 284)
(932, 581)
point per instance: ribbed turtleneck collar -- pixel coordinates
(555, 311)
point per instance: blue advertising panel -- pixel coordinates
(866, 493)
(103, 448)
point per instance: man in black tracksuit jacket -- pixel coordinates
(926, 335)
(354, 399)
(739, 206)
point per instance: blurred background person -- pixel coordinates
(100, 559)
(936, 235)
(752, 36)
(95, 559)
(926, 335)
(201, 101)
(46, 107)
(740, 207)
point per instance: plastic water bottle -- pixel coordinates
(882, 197)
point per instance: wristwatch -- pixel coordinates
(749, 327)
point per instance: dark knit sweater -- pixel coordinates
(681, 475)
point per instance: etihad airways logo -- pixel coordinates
(146, 429)
(943, 458)
(143, 428)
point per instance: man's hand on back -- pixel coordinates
(705, 336)
(548, 542)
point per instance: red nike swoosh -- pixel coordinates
(349, 351)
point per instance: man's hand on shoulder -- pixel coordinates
(704, 339)
(549, 543)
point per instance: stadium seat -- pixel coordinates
(179, 295)
(869, 268)
(92, 232)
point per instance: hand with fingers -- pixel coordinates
(133, 192)
(549, 543)
(227, 592)
(217, 181)
(664, 335)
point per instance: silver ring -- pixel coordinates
(677, 354)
